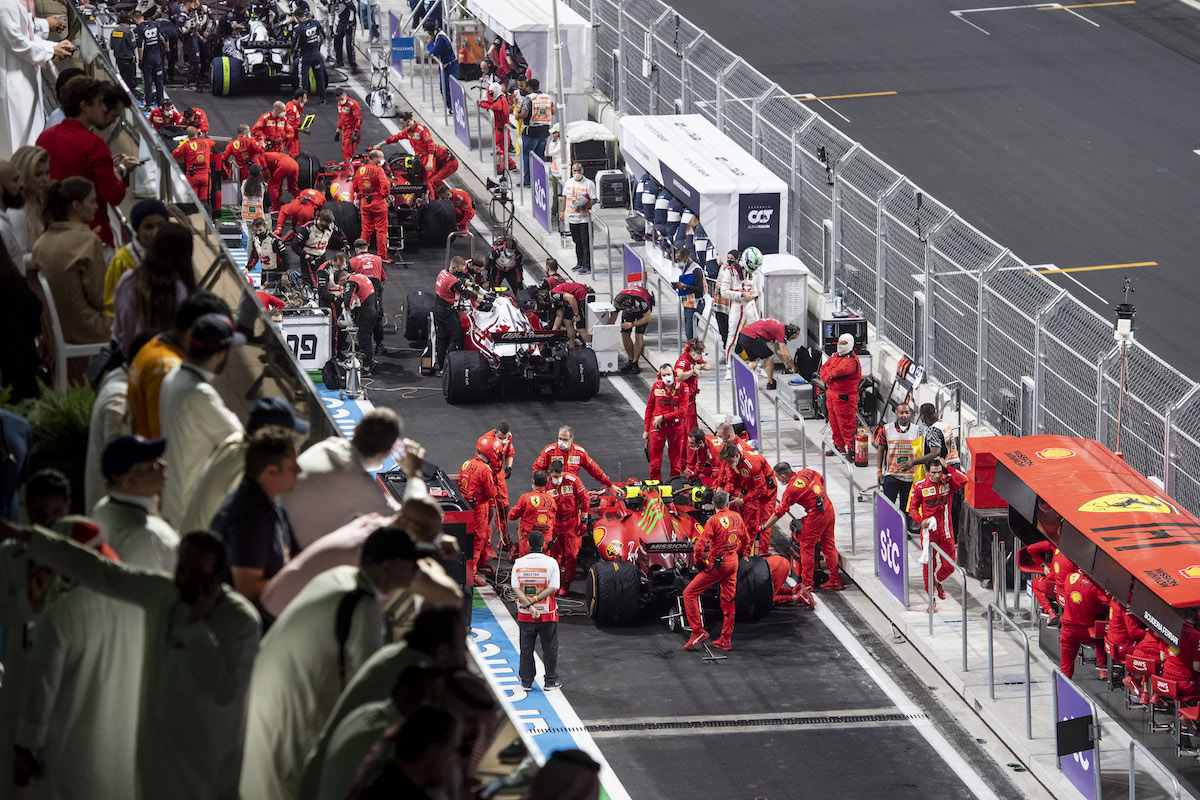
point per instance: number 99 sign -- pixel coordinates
(308, 337)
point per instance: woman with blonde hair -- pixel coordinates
(71, 257)
(33, 164)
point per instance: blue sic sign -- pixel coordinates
(891, 548)
(540, 187)
(745, 397)
(458, 102)
(1082, 769)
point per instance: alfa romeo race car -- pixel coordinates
(644, 536)
(505, 347)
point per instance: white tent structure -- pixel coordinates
(740, 202)
(529, 24)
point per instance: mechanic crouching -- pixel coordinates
(570, 515)
(749, 480)
(451, 286)
(716, 553)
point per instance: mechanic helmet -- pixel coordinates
(752, 258)
(494, 91)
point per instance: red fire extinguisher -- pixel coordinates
(861, 448)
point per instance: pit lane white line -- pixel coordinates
(793, 721)
(903, 702)
(726, 730)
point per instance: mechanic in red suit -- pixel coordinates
(571, 508)
(444, 165)
(663, 422)
(195, 154)
(748, 478)
(281, 167)
(536, 510)
(1060, 568)
(807, 490)
(703, 456)
(1180, 664)
(272, 128)
(842, 373)
(497, 103)
(197, 119)
(688, 367)
(781, 568)
(166, 114)
(498, 445)
(478, 487)
(299, 212)
(372, 190)
(716, 553)
(293, 112)
(1042, 585)
(349, 127)
(1117, 640)
(572, 456)
(418, 136)
(929, 506)
(1085, 602)
(244, 150)
(464, 208)
(726, 435)
(1146, 650)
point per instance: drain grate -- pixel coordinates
(740, 722)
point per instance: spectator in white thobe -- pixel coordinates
(200, 641)
(23, 51)
(77, 732)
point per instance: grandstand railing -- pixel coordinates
(1031, 358)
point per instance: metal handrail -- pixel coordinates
(993, 608)
(1134, 746)
(826, 446)
(962, 573)
(607, 245)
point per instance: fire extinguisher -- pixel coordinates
(861, 448)
(462, 53)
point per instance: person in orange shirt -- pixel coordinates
(244, 151)
(293, 112)
(281, 167)
(497, 445)
(716, 553)
(272, 128)
(196, 156)
(536, 510)
(478, 487)
(748, 478)
(807, 490)
(372, 190)
(571, 508)
(349, 127)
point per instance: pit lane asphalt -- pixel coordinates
(786, 668)
(1068, 143)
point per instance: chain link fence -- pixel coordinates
(1029, 357)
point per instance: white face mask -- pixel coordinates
(668, 380)
(845, 345)
(564, 444)
(556, 481)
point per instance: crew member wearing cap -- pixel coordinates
(193, 417)
(146, 217)
(226, 467)
(128, 514)
(200, 639)
(316, 647)
(842, 373)
(338, 479)
(535, 580)
(74, 736)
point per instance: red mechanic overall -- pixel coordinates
(372, 188)
(753, 481)
(196, 155)
(1085, 603)
(686, 363)
(571, 504)
(704, 461)
(294, 114)
(477, 485)
(499, 455)
(841, 375)
(573, 459)
(299, 212)
(349, 125)
(806, 489)
(281, 167)
(716, 548)
(667, 405)
(245, 151)
(931, 501)
(272, 131)
(536, 511)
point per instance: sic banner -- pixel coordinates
(541, 191)
(891, 548)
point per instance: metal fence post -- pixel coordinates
(1101, 374)
(927, 306)
(1171, 436)
(621, 69)
(650, 38)
(725, 73)
(685, 74)
(981, 344)
(1134, 746)
(1039, 365)
(881, 234)
(755, 127)
(835, 245)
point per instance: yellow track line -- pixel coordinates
(1090, 5)
(844, 96)
(1102, 266)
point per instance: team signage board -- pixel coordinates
(745, 397)
(891, 548)
(403, 47)
(758, 221)
(540, 186)
(1075, 746)
(308, 336)
(458, 103)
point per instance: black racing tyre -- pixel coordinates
(465, 379)
(226, 76)
(614, 593)
(755, 593)
(347, 217)
(310, 168)
(580, 375)
(417, 309)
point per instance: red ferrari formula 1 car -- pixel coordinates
(644, 536)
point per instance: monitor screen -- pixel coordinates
(832, 329)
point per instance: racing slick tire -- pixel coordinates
(580, 376)
(755, 592)
(465, 379)
(226, 76)
(614, 593)
(310, 168)
(346, 216)
(417, 308)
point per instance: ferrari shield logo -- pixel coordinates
(1122, 502)
(1054, 453)
(535, 501)
(724, 522)
(1191, 572)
